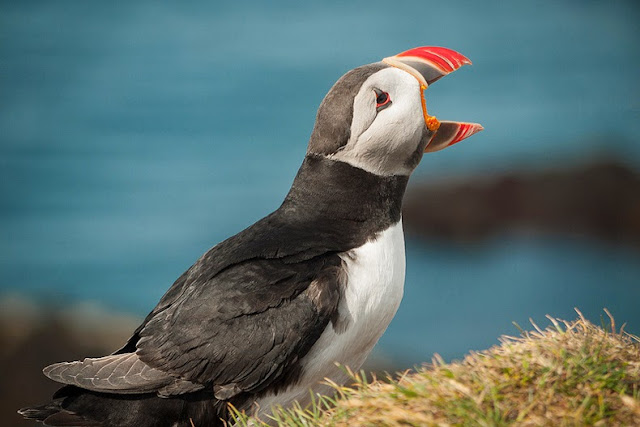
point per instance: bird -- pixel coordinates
(266, 316)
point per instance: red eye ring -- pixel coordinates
(382, 99)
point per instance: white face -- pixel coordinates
(386, 142)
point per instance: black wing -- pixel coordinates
(243, 329)
(247, 326)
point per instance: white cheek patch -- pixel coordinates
(400, 123)
(364, 112)
(382, 142)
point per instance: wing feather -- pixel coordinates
(121, 373)
(247, 326)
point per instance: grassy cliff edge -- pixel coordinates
(572, 373)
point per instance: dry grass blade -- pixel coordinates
(572, 373)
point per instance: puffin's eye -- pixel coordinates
(382, 100)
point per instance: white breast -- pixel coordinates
(374, 289)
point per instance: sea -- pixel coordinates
(136, 135)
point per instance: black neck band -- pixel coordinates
(326, 189)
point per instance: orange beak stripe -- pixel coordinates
(432, 123)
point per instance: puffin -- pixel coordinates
(264, 318)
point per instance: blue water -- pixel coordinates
(455, 295)
(134, 136)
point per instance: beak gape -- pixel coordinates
(428, 64)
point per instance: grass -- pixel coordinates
(570, 374)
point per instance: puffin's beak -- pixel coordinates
(428, 64)
(449, 133)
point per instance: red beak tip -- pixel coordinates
(445, 59)
(465, 131)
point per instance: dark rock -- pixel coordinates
(600, 200)
(30, 342)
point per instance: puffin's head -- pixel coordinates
(375, 117)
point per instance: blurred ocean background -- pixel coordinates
(136, 135)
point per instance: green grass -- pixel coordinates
(570, 374)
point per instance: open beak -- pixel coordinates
(428, 64)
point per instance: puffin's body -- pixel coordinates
(263, 317)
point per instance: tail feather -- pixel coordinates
(52, 414)
(76, 407)
(39, 413)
